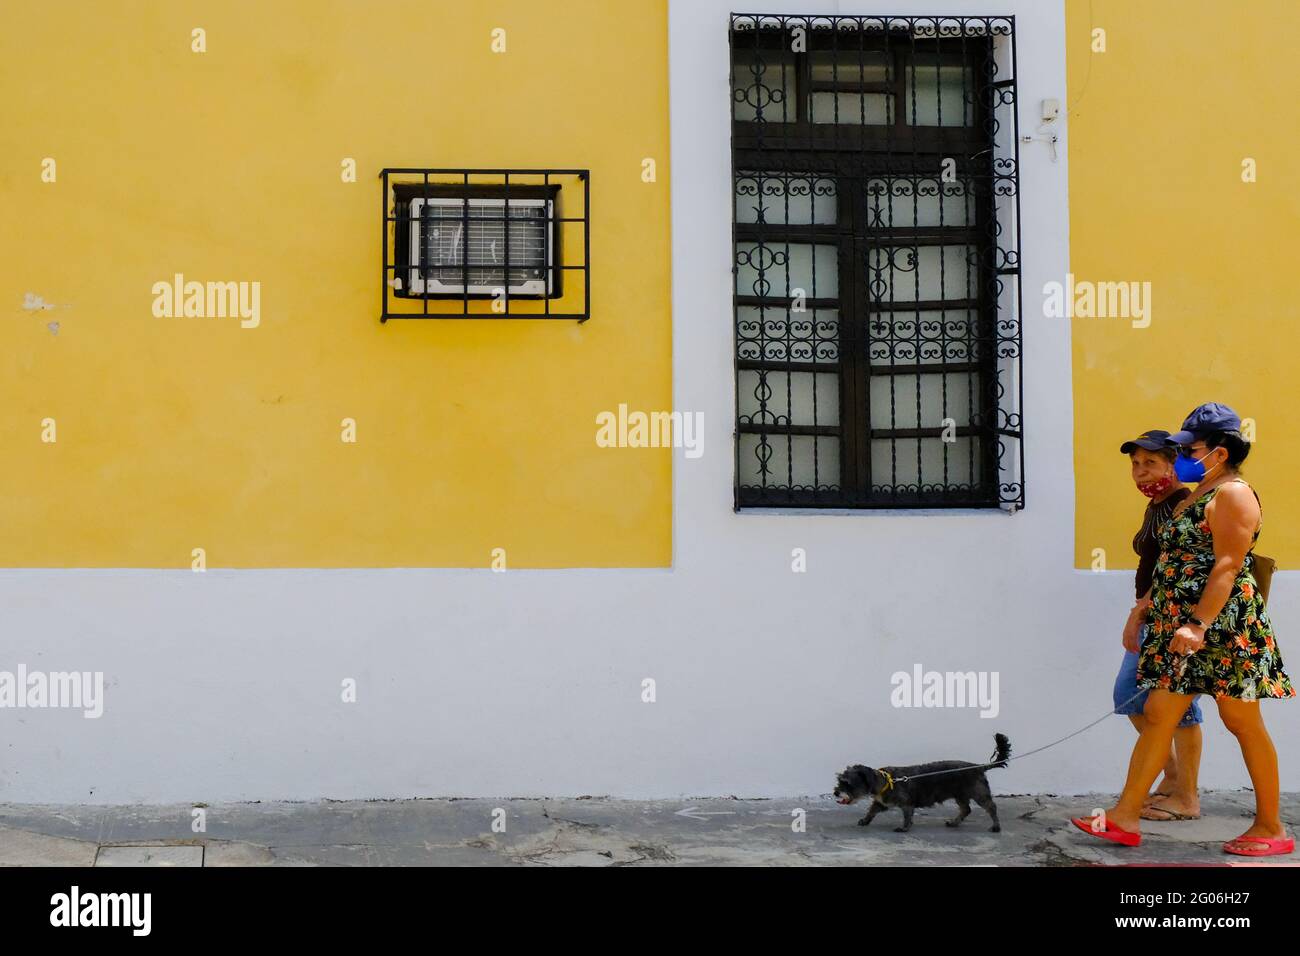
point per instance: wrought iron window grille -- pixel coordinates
(486, 244)
(876, 274)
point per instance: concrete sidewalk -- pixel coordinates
(603, 832)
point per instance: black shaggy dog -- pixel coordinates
(886, 789)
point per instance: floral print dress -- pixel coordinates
(1240, 657)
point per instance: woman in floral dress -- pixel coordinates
(1209, 633)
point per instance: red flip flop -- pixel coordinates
(1113, 832)
(1279, 847)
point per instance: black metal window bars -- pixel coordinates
(877, 281)
(494, 241)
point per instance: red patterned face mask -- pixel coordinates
(1160, 486)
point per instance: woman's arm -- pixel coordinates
(1136, 618)
(1233, 516)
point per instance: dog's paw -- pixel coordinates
(901, 829)
(864, 822)
(996, 828)
(952, 823)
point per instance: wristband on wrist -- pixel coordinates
(1193, 619)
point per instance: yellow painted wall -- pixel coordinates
(178, 433)
(1159, 126)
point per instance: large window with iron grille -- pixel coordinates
(876, 269)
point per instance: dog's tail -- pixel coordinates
(1003, 753)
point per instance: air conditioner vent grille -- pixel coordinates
(444, 229)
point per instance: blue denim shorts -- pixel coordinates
(1126, 686)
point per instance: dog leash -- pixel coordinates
(1181, 663)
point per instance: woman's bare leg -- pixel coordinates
(1184, 799)
(1246, 723)
(1170, 783)
(1163, 712)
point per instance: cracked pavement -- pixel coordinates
(598, 831)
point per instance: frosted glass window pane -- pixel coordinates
(849, 66)
(873, 109)
(896, 407)
(905, 202)
(816, 461)
(774, 269)
(896, 466)
(763, 84)
(930, 337)
(789, 398)
(765, 333)
(922, 273)
(938, 95)
(786, 198)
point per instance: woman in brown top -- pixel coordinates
(1151, 459)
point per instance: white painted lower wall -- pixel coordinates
(226, 685)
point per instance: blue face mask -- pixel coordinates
(1190, 470)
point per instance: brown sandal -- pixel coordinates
(1170, 815)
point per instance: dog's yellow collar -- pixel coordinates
(889, 781)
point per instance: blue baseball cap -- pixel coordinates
(1210, 417)
(1152, 440)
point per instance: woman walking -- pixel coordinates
(1209, 633)
(1151, 464)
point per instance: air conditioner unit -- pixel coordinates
(453, 240)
